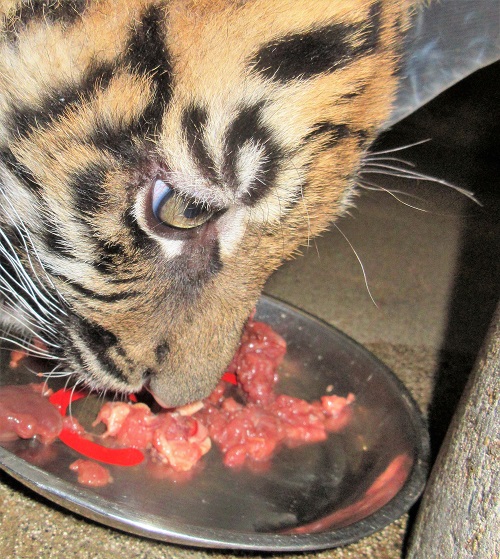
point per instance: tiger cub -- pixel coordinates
(159, 159)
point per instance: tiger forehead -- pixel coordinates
(290, 12)
(205, 40)
(220, 55)
(202, 27)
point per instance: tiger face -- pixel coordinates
(160, 159)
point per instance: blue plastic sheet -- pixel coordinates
(447, 41)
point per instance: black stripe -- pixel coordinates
(20, 171)
(111, 368)
(54, 240)
(334, 132)
(193, 123)
(148, 374)
(146, 54)
(248, 127)
(215, 264)
(110, 256)
(111, 249)
(118, 281)
(105, 298)
(117, 138)
(87, 187)
(75, 354)
(324, 50)
(140, 239)
(95, 336)
(111, 259)
(161, 351)
(353, 94)
(23, 119)
(99, 341)
(371, 33)
(66, 12)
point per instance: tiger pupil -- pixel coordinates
(193, 210)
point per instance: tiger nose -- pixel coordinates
(158, 400)
(170, 393)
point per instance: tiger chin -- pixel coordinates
(160, 160)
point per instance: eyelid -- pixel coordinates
(160, 191)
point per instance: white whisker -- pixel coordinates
(28, 285)
(51, 375)
(26, 302)
(73, 390)
(56, 372)
(389, 170)
(33, 351)
(360, 263)
(368, 185)
(394, 194)
(400, 148)
(48, 375)
(389, 159)
(33, 331)
(18, 302)
(23, 234)
(35, 319)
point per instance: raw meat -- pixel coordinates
(25, 412)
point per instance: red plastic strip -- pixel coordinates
(230, 377)
(63, 398)
(90, 449)
(117, 456)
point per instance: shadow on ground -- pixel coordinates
(464, 124)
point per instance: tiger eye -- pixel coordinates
(174, 210)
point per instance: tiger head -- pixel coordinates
(159, 161)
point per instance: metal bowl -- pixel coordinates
(312, 497)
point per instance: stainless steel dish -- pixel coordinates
(313, 497)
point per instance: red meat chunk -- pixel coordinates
(26, 413)
(91, 473)
(174, 439)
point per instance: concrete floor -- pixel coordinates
(435, 279)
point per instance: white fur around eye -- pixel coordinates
(248, 166)
(171, 248)
(231, 228)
